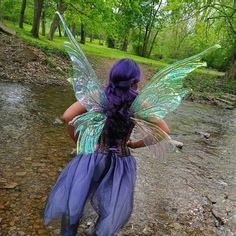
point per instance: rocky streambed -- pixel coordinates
(192, 192)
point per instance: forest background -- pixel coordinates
(157, 32)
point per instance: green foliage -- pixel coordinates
(49, 62)
(158, 30)
(230, 86)
(11, 9)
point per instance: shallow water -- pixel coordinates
(192, 193)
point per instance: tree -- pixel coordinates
(43, 22)
(148, 24)
(0, 9)
(61, 7)
(223, 15)
(22, 13)
(38, 6)
(82, 34)
(126, 15)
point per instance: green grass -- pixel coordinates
(90, 49)
(201, 81)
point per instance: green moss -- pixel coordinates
(230, 87)
(49, 62)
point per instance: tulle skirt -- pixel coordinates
(107, 179)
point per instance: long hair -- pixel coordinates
(120, 95)
(119, 92)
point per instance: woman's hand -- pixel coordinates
(136, 144)
(130, 144)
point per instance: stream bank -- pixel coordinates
(20, 62)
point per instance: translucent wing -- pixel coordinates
(88, 127)
(165, 90)
(89, 93)
(157, 140)
(87, 88)
(161, 96)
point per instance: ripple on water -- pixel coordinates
(192, 193)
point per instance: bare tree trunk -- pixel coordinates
(73, 29)
(22, 14)
(144, 48)
(231, 73)
(61, 8)
(38, 6)
(0, 10)
(59, 30)
(43, 23)
(153, 42)
(91, 37)
(125, 43)
(82, 34)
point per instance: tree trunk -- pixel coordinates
(153, 42)
(22, 14)
(145, 41)
(100, 40)
(231, 73)
(61, 8)
(125, 43)
(59, 30)
(0, 10)
(91, 37)
(82, 34)
(73, 29)
(43, 23)
(38, 6)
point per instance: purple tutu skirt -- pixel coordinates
(107, 179)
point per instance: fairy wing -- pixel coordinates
(86, 86)
(89, 93)
(162, 95)
(88, 128)
(156, 139)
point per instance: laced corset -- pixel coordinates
(115, 134)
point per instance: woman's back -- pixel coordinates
(115, 134)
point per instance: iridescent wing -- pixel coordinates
(157, 140)
(89, 93)
(88, 128)
(87, 88)
(163, 94)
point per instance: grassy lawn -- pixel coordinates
(93, 49)
(89, 48)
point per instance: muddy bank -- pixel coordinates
(20, 62)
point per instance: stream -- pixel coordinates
(192, 192)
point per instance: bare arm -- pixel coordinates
(74, 110)
(138, 144)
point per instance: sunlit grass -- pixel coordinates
(93, 49)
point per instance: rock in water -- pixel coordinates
(177, 144)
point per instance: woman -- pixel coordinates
(108, 174)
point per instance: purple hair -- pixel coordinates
(119, 92)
